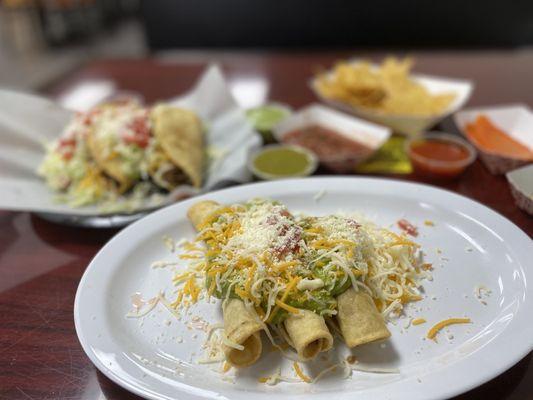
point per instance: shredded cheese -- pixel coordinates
(290, 286)
(277, 377)
(276, 262)
(225, 367)
(300, 373)
(151, 305)
(310, 284)
(432, 333)
(418, 321)
(324, 372)
(286, 307)
(232, 344)
(191, 289)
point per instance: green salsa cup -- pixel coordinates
(280, 161)
(265, 118)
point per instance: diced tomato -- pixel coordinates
(407, 227)
(66, 146)
(285, 213)
(87, 120)
(353, 223)
(66, 142)
(138, 140)
(140, 126)
(291, 241)
(290, 237)
(67, 155)
(141, 132)
(291, 246)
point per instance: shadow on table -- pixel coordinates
(9, 233)
(503, 386)
(112, 391)
(69, 238)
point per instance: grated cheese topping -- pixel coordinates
(278, 264)
(265, 226)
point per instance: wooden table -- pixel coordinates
(41, 263)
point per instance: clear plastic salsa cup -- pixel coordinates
(440, 155)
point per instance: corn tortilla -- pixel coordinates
(359, 320)
(179, 133)
(240, 325)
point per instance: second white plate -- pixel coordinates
(469, 245)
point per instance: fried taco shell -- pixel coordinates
(359, 320)
(308, 333)
(179, 134)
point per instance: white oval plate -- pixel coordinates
(469, 245)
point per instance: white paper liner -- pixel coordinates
(516, 120)
(27, 122)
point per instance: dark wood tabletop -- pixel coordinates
(41, 263)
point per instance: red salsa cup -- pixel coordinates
(440, 155)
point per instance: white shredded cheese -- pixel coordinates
(232, 344)
(163, 264)
(260, 230)
(318, 196)
(374, 370)
(324, 372)
(310, 284)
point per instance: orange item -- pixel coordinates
(440, 156)
(488, 137)
(440, 150)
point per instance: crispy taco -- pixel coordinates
(177, 154)
(118, 140)
(131, 143)
(69, 168)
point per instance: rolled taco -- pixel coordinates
(307, 330)
(199, 212)
(309, 334)
(241, 327)
(359, 320)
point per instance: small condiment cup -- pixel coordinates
(265, 125)
(353, 129)
(312, 162)
(435, 168)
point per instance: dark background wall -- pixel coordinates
(337, 23)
